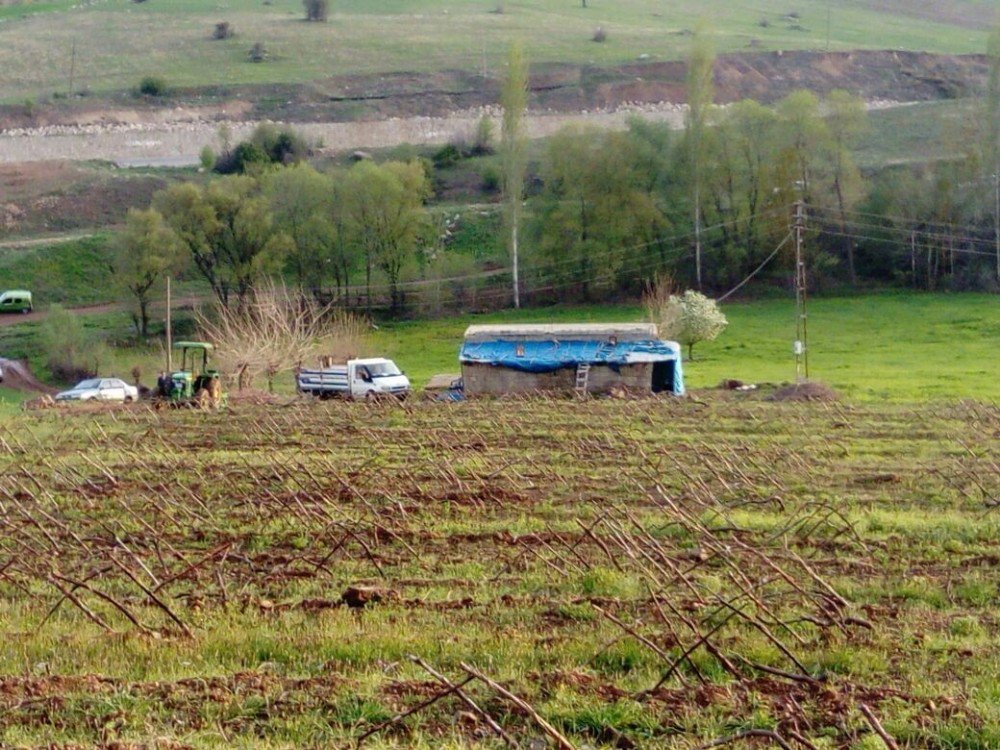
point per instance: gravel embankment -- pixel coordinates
(179, 144)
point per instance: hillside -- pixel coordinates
(104, 47)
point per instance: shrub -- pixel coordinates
(316, 10)
(152, 86)
(241, 159)
(223, 30)
(600, 35)
(447, 156)
(482, 141)
(267, 145)
(257, 53)
(207, 158)
(491, 179)
(70, 353)
(282, 145)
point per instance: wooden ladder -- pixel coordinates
(582, 378)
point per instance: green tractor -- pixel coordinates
(194, 383)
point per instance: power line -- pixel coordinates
(897, 220)
(901, 243)
(757, 270)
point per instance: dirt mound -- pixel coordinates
(18, 376)
(808, 391)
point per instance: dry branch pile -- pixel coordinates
(713, 558)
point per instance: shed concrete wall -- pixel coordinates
(493, 380)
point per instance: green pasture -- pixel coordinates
(916, 132)
(899, 347)
(110, 45)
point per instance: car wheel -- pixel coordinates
(129, 399)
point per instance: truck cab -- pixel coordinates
(355, 379)
(376, 376)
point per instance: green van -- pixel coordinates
(15, 301)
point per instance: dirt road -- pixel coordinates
(179, 303)
(38, 315)
(179, 144)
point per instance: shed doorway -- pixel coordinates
(663, 377)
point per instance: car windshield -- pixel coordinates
(383, 369)
(86, 385)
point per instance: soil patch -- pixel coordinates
(18, 376)
(554, 88)
(809, 391)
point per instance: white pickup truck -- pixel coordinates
(357, 379)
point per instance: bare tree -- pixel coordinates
(661, 304)
(277, 331)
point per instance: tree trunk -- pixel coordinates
(368, 286)
(851, 272)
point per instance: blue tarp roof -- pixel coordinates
(547, 356)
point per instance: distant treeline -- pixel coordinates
(606, 211)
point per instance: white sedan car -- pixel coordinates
(100, 389)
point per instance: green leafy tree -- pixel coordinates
(307, 205)
(846, 122)
(386, 218)
(144, 253)
(595, 205)
(743, 180)
(803, 136)
(229, 233)
(700, 96)
(513, 152)
(71, 352)
(991, 135)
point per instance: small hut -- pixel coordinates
(587, 358)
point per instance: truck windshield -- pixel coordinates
(383, 369)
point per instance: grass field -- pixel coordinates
(650, 573)
(117, 42)
(901, 347)
(914, 133)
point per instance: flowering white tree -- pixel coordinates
(686, 318)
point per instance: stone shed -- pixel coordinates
(587, 358)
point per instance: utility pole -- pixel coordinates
(170, 360)
(801, 348)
